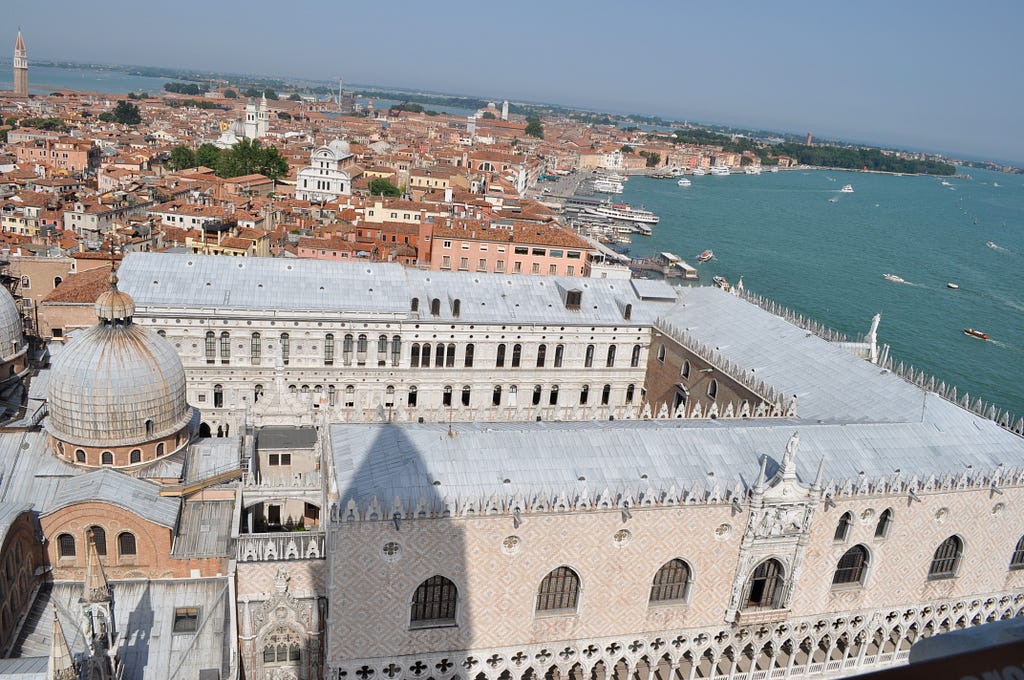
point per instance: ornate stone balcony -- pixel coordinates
(281, 546)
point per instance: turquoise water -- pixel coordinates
(791, 242)
(44, 80)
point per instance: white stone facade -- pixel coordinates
(324, 179)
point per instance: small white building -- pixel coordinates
(325, 179)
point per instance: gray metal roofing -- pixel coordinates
(144, 615)
(212, 454)
(830, 384)
(108, 486)
(26, 668)
(204, 529)
(8, 513)
(405, 461)
(158, 280)
(30, 471)
(285, 438)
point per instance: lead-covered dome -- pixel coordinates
(12, 340)
(117, 385)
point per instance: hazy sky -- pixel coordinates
(939, 75)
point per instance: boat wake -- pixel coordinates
(996, 246)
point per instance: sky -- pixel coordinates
(939, 75)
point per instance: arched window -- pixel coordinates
(627, 312)
(634, 359)
(225, 347)
(439, 355)
(553, 396)
(671, 583)
(496, 396)
(465, 395)
(160, 449)
(559, 353)
(414, 355)
(396, 349)
(329, 349)
(106, 458)
(764, 591)
(851, 566)
(346, 348)
(946, 560)
(66, 545)
(499, 360)
(559, 591)
(211, 347)
(449, 358)
(126, 543)
(542, 353)
(411, 398)
(713, 389)
(446, 396)
(661, 352)
(434, 603)
(414, 305)
(286, 348)
(588, 357)
(332, 395)
(884, 524)
(135, 456)
(630, 390)
(456, 307)
(56, 281)
(610, 361)
(99, 539)
(469, 355)
(606, 395)
(218, 396)
(685, 370)
(584, 395)
(435, 307)
(843, 527)
(255, 348)
(536, 394)
(350, 396)
(382, 344)
(1017, 559)
(79, 456)
(149, 427)
(517, 355)
(362, 343)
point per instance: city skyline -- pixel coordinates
(878, 74)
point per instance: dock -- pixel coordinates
(669, 265)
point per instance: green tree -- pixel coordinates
(230, 94)
(251, 92)
(534, 128)
(106, 117)
(487, 115)
(626, 148)
(208, 156)
(183, 157)
(382, 187)
(269, 94)
(12, 121)
(248, 157)
(294, 97)
(127, 113)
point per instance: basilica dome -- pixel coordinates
(117, 384)
(12, 340)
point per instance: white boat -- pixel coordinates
(775, 168)
(698, 172)
(613, 177)
(624, 212)
(953, 286)
(752, 170)
(607, 186)
(893, 278)
(720, 170)
(847, 189)
(684, 182)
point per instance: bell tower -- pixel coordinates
(20, 67)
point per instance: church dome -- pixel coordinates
(116, 383)
(341, 147)
(12, 339)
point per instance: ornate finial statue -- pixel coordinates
(791, 449)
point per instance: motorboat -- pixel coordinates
(706, 255)
(752, 170)
(847, 189)
(720, 170)
(721, 282)
(684, 182)
(976, 334)
(699, 172)
(893, 278)
(953, 286)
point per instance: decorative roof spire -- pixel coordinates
(113, 305)
(61, 665)
(19, 45)
(96, 587)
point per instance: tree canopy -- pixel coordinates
(294, 97)
(185, 88)
(230, 94)
(534, 128)
(182, 157)
(382, 187)
(125, 113)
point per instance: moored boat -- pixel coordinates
(706, 255)
(623, 212)
(976, 334)
(697, 172)
(721, 282)
(720, 170)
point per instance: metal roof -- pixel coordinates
(285, 438)
(108, 486)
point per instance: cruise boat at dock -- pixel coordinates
(622, 211)
(720, 170)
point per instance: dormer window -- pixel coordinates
(435, 307)
(573, 298)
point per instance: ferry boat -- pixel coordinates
(720, 170)
(622, 211)
(699, 172)
(706, 255)
(721, 282)
(976, 334)
(847, 189)
(607, 186)
(684, 182)
(893, 278)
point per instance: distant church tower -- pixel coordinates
(20, 67)
(257, 118)
(504, 110)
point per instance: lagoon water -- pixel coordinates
(794, 238)
(45, 79)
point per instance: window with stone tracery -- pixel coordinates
(852, 566)
(434, 603)
(559, 591)
(946, 560)
(1017, 560)
(671, 583)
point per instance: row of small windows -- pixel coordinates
(126, 544)
(435, 600)
(845, 525)
(444, 356)
(134, 456)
